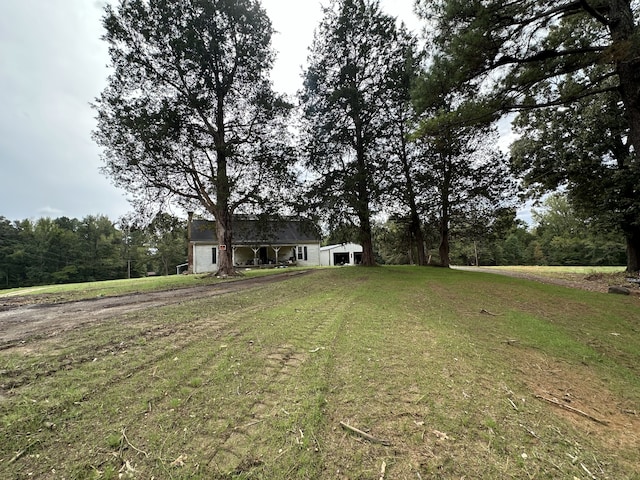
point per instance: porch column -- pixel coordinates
(276, 249)
(255, 255)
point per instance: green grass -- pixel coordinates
(87, 290)
(445, 365)
(555, 271)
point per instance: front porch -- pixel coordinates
(259, 256)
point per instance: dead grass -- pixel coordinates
(443, 365)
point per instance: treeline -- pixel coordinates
(67, 250)
(63, 250)
(560, 236)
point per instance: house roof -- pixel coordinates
(257, 232)
(347, 245)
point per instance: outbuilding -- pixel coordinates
(341, 254)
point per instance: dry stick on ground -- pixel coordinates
(19, 455)
(486, 312)
(365, 435)
(571, 409)
(124, 436)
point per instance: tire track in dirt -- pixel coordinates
(21, 323)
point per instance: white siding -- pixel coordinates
(349, 250)
(202, 259)
(313, 255)
(202, 256)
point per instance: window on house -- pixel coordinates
(302, 253)
(214, 255)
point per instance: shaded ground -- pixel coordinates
(24, 317)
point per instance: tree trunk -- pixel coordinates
(364, 195)
(224, 231)
(223, 213)
(443, 250)
(414, 221)
(624, 33)
(368, 259)
(633, 250)
(416, 232)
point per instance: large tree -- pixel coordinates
(189, 113)
(584, 148)
(534, 54)
(466, 178)
(407, 166)
(355, 64)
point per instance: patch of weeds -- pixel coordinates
(114, 441)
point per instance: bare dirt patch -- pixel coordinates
(614, 420)
(25, 317)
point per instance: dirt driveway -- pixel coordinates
(21, 320)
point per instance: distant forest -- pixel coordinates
(68, 250)
(63, 250)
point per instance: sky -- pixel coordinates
(53, 64)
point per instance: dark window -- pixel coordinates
(214, 255)
(303, 254)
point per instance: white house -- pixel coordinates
(274, 242)
(341, 254)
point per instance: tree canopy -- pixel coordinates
(189, 113)
(527, 55)
(356, 65)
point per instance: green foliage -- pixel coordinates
(571, 70)
(353, 82)
(168, 242)
(189, 114)
(63, 250)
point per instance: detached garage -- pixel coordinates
(341, 254)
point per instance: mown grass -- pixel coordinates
(110, 288)
(559, 270)
(444, 365)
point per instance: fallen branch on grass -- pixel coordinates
(19, 455)
(486, 312)
(365, 435)
(383, 469)
(571, 409)
(124, 436)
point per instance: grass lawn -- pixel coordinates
(451, 374)
(108, 288)
(559, 271)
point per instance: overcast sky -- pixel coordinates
(53, 64)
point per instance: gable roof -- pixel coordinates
(257, 232)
